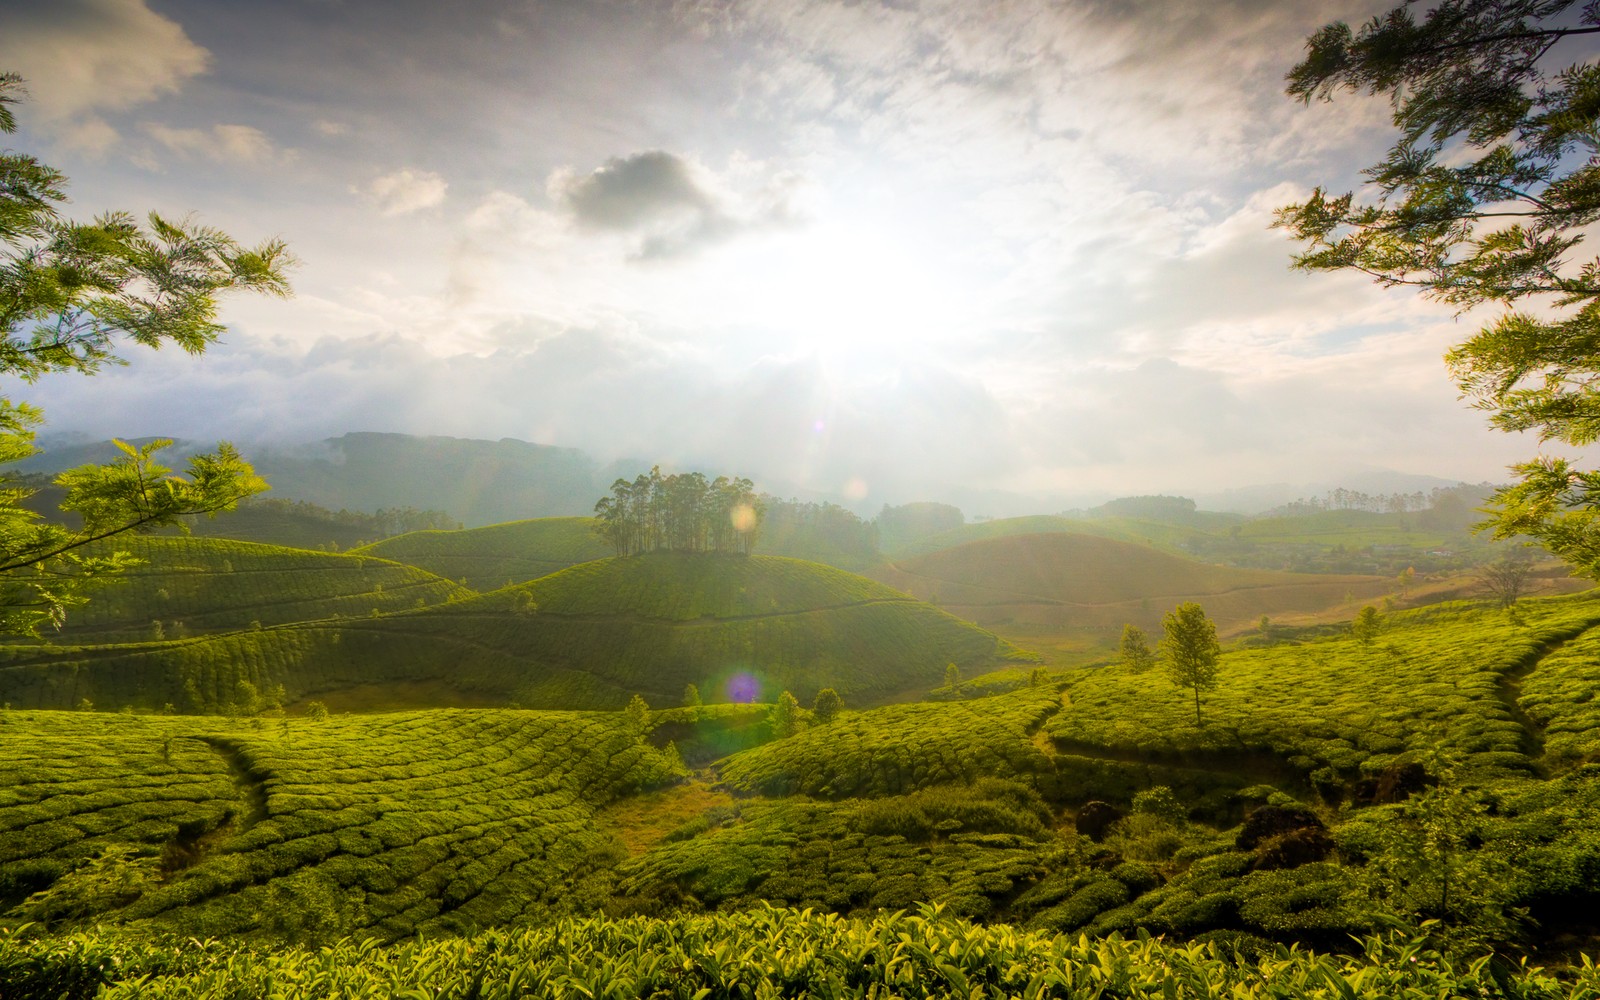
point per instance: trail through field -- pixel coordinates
(1509, 691)
(644, 820)
(252, 789)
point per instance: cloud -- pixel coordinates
(331, 129)
(83, 56)
(219, 143)
(407, 191)
(673, 206)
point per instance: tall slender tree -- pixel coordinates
(1190, 650)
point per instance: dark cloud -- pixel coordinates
(673, 207)
(633, 191)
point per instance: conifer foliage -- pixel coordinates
(1484, 200)
(680, 513)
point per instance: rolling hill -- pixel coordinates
(589, 636)
(498, 555)
(187, 586)
(1067, 581)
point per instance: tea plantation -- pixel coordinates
(588, 637)
(498, 555)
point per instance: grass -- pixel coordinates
(499, 555)
(588, 637)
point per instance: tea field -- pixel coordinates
(764, 953)
(590, 636)
(498, 555)
(189, 586)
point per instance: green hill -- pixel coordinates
(1076, 581)
(499, 555)
(196, 585)
(587, 637)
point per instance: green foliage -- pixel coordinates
(827, 706)
(819, 532)
(691, 696)
(1136, 653)
(900, 748)
(784, 721)
(637, 716)
(1190, 650)
(1483, 199)
(952, 676)
(679, 513)
(68, 293)
(763, 952)
(1367, 625)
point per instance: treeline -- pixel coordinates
(680, 513)
(381, 524)
(1376, 503)
(821, 532)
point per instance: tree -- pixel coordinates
(70, 294)
(827, 706)
(1483, 200)
(1136, 654)
(636, 717)
(952, 676)
(1365, 627)
(784, 719)
(1190, 650)
(691, 696)
(1506, 580)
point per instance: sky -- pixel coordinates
(874, 250)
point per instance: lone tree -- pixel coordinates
(1136, 654)
(70, 294)
(1506, 580)
(827, 706)
(1190, 650)
(1366, 625)
(784, 718)
(1484, 199)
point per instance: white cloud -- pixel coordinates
(83, 56)
(331, 129)
(219, 143)
(406, 191)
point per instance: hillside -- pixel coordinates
(1068, 582)
(1299, 810)
(587, 637)
(189, 586)
(498, 555)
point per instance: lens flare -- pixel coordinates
(743, 517)
(743, 689)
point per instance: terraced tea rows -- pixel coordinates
(197, 585)
(383, 825)
(901, 748)
(587, 637)
(1340, 708)
(499, 555)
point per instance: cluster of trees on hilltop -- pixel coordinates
(824, 532)
(1377, 503)
(680, 513)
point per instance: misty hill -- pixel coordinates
(1072, 580)
(498, 555)
(587, 637)
(187, 586)
(474, 481)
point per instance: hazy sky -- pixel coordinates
(866, 247)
